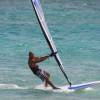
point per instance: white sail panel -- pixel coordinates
(43, 22)
(41, 17)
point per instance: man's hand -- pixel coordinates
(52, 54)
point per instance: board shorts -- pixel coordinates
(43, 75)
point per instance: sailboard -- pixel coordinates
(66, 88)
(41, 19)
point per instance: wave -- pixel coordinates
(11, 86)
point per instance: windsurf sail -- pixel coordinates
(41, 19)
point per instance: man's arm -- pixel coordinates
(40, 59)
(37, 60)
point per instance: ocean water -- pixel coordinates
(75, 28)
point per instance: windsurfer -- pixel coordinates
(43, 75)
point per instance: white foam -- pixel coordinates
(89, 89)
(41, 87)
(10, 86)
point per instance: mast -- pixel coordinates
(41, 19)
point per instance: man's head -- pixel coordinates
(31, 55)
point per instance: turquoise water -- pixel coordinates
(75, 27)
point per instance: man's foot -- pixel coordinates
(56, 88)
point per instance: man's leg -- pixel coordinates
(50, 83)
(48, 77)
(44, 76)
(46, 84)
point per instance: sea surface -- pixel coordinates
(75, 28)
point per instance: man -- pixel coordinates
(43, 75)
